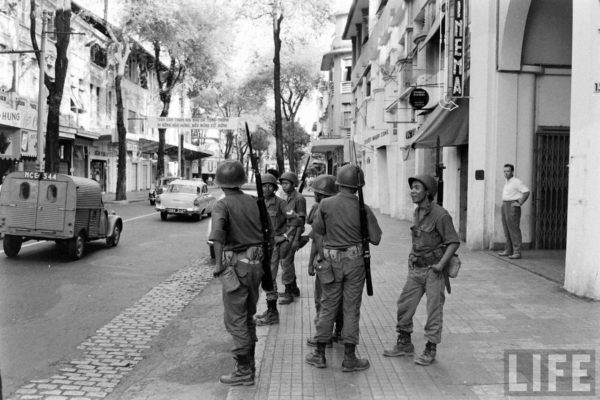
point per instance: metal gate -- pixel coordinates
(552, 187)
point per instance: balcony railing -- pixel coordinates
(346, 87)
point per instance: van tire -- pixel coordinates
(77, 246)
(12, 245)
(113, 240)
(196, 217)
(164, 215)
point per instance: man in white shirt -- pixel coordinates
(514, 194)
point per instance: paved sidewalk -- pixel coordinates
(494, 306)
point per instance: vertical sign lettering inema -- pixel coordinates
(458, 49)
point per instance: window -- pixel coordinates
(98, 55)
(51, 194)
(24, 189)
(346, 115)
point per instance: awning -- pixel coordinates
(452, 127)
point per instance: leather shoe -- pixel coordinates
(515, 256)
(504, 254)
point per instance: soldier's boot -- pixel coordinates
(295, 289)
(242, 374)
(403, 346)
(428, 354)
(317, 357)
(287, 297)
(271, 316)
(351, 362)
(312, 341)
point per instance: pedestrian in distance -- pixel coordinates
(343, 276)
(514, 195)
(296, 218)
(323, 186)
(434, 242)
(276, 208)
(238, 238)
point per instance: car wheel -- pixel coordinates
(113, 240)
(163, 215)
(12, 245)
(77, 246)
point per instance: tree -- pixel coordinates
(55, 85)
(119, 53)
(181, 34)
(297, 81)
(231, 99)
(311, 14)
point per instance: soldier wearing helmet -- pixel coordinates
(343, 276)
(276, 208)
(323, 186)
(434, 242)
(237, 236)
(296, 217)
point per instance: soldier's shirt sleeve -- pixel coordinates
(445, 227)
(219, 217)
(301, 206)
(374, 229)
(318, 225)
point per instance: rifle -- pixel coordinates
(303, 180)
(364, 228)
(267, 279)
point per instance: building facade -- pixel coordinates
(500, 88)
(88, 137)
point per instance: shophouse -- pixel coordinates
(498, 81)
(335, 100)
(88, 137)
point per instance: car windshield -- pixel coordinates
(182, 189)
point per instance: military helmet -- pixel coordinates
(268, 178)
(230, 174)
(324, 184)
(289, 176)
(350, 175)
(427, 180)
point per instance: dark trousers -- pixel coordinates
(511, 220)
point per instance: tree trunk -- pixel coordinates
(277, 91)
(62, 27)
(122, 135)
(160, 165)
(228, 144)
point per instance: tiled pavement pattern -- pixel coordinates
(117, 347)
(494, 306)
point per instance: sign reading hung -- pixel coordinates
(458, 49)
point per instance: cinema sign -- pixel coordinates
(457, 58)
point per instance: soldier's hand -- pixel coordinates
(218, 271)
(279, 239)
(437, 267)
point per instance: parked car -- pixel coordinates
(159, 187)
(185, 197)
(248, 188)
(48, 206)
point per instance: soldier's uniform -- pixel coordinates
(236, 230)
(296, 217)
(343, 277)
(276, 208)
(432, 232)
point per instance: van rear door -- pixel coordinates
(52, 200)
(22, 203)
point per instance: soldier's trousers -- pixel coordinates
(288, 268)
(240, 305)
(343, 287)
(511, 220)
(422, 281)
(275, 257)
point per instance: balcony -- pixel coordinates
(346, 87)
(328, 142)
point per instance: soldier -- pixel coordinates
(343, 277)
(276, 208)
(434, 242)
(323, 186)
(296, 217)
(237, 236)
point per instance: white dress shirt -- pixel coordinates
(513, 189)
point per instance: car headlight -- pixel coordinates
(197, 203)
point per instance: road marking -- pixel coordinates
(44, 241)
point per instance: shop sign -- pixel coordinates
(418, 98)
(10, 116)
(28, 143)
(458, 50)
